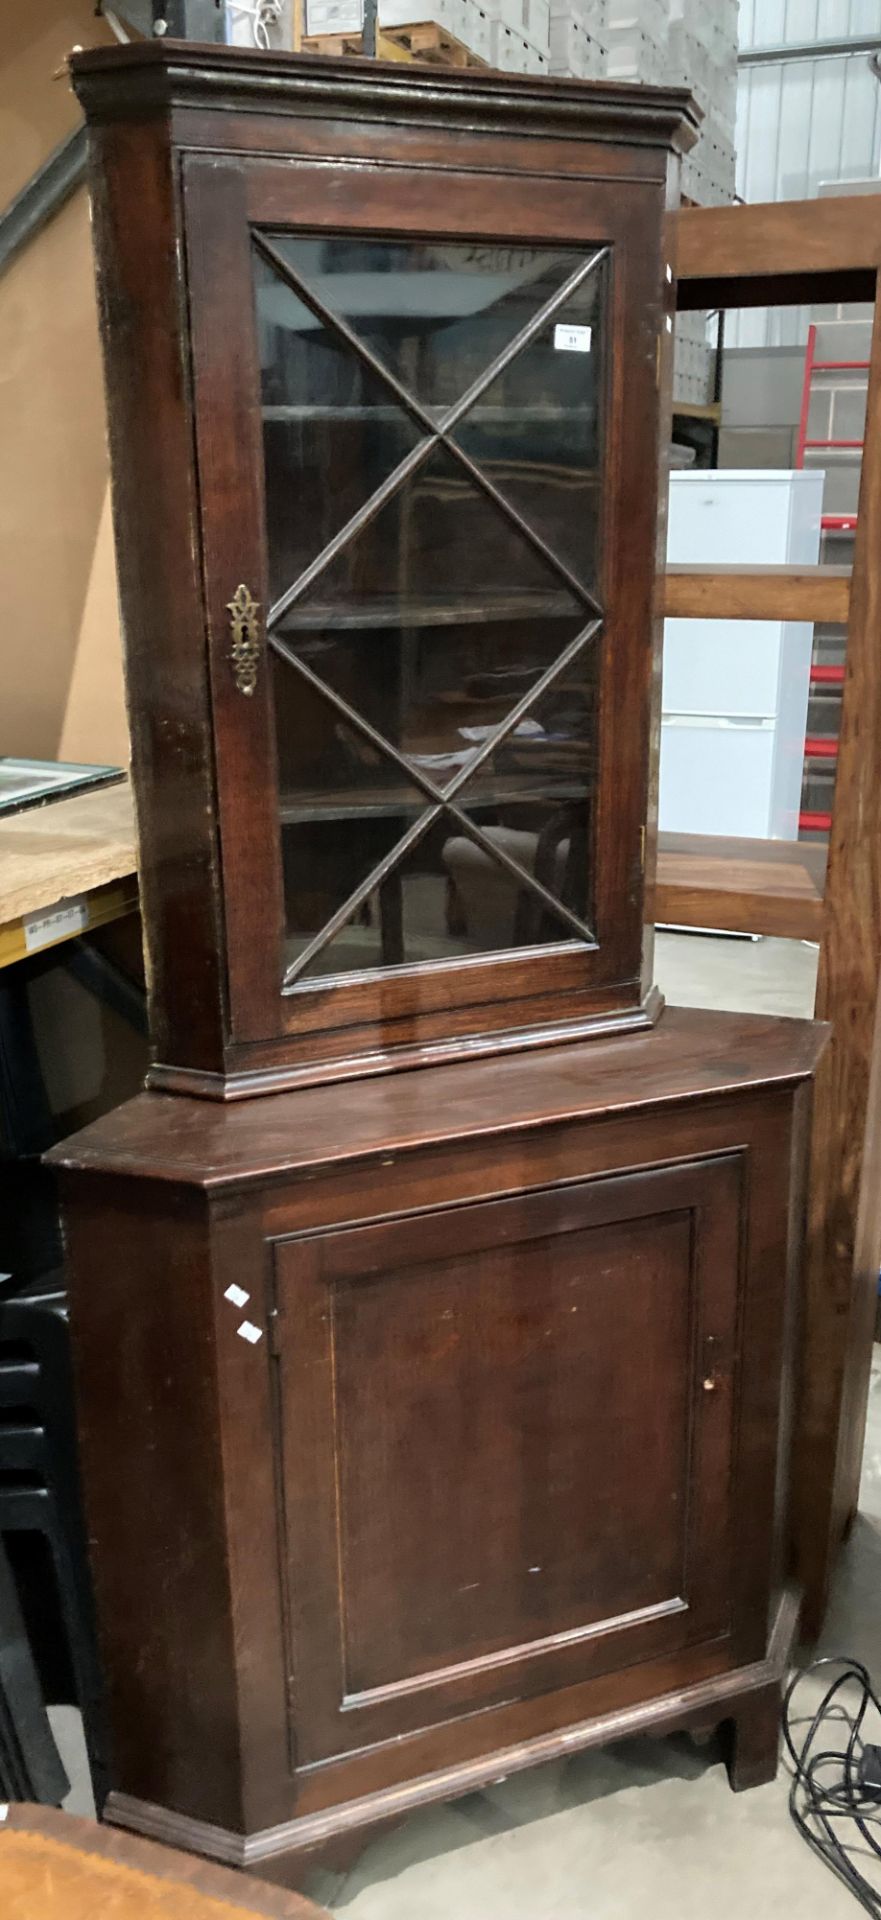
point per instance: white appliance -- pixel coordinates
(735, 692)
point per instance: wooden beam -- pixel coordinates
(757, 593)
(739, 886)
(785, 252)
(844, 1232)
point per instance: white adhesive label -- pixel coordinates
(60, 923)
(572, 339)
(248, 1331)
(237, 1295)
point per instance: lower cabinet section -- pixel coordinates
(507, 1435)
(443, 1453)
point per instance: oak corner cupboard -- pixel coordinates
(435, 1399)
(383, 358)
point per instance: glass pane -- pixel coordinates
(325, 860)
(326, 764)
(551, 752)
(537, 430)
(548, 839)
(332, 432)
(436, 619)
(343, 807)
(435, 313)
(446, 898)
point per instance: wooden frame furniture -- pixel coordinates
(818, 250)
(496, 547)
(463, 1391)
(493, 1470)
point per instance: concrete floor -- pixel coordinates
(647, 1827)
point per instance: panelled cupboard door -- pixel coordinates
(507, 1446)
(426, 433)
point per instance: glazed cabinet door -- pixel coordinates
(506, 1435)
(426, 418)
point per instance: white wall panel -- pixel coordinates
(802, 124)
(793, 23)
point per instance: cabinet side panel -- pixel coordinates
(140, 293)
(771, 1263)
(138, 1264)
(793, 1332)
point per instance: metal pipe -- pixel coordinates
(368, 31)
(51, 185)
(808, 50)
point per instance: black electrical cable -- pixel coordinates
(833, 1803)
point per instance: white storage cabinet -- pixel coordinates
(735, 692)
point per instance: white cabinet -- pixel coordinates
(735, 692)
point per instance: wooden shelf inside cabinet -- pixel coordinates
(448, 610)
(370, 802)
(496, 415)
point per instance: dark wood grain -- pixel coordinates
(452, 1408)
(793, 252)
(844, 1245)
(150, 78)
(527, 1314)
(140, 296)
(691, 1057)
(409, 1268)
(575, 164)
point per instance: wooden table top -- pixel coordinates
(55, 1867)
(65, 848)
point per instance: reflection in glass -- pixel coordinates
(449, 894)
(324, 763)
(438, 618)
(436, 313)
(343, 806)
(332, 431)
(536, 430)
(435, 620)
(445, 899)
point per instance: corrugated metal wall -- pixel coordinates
(802, 122)
(777, 23)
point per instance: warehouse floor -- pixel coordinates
(648, 1827)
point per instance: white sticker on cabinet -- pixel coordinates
(572, 339)
(248, 1331)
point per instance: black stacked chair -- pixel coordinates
(41, 1523)
(30, 1764)
(39, 1487)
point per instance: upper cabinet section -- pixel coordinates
(385, 359)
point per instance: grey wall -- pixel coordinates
(761, 401)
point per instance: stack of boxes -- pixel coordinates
(636, 32)
(702, 55)
(519, 35)
(578, 38)
(691, 43)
